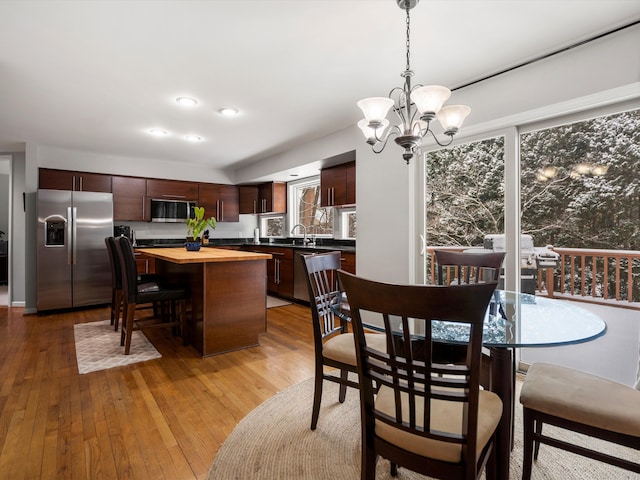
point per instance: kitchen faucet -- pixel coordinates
(305, 240)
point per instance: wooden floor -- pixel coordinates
(163, 418)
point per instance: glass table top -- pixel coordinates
(521, 320)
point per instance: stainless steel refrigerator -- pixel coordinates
(72, 259)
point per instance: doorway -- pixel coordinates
(5, 188)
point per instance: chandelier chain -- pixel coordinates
(408, 42)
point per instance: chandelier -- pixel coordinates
(416, 107)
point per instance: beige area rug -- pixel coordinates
(275, 442)
(98, 347)
(276, 302)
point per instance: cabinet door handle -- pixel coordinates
(221, 210)
(80, 184)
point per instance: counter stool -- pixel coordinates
(134, 294)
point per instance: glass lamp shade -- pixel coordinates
(375, 109)
(370, 133)
(429, 99)
(452, 116)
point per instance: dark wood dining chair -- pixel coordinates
(173, 309)
(333, 343)
(578, 402)
(464, 268)
(145, 282)
(429, 417)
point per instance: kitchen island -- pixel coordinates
(227, 291)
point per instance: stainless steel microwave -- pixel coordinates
(171, 211)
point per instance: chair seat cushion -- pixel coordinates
(446, 417)
(342, 348)
(160, 295)
(582, 397)
(148, 287)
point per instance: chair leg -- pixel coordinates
(536, 444)
(394, 469)
(131, 311)
(117, 306)
(317, 397)
(344, 374)
(528, 444)
(113, 305)
(369, 460)
(125, 310)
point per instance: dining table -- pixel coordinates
(513, 320)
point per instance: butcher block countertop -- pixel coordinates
(204, 255)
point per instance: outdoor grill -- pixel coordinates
(531, 259)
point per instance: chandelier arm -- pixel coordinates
(438, 141)
(393, 131)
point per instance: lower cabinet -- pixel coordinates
(145, 264)
(348, 262)
(279, 269)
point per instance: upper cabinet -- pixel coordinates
(248, 198)
(338, 185)
(220, 201)
(76, 181)
(270, 197)
(172, 189)
(129, 201)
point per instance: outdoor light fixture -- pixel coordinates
(415, 106)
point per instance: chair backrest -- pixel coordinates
(406, 369)
(467, 267)
(322, 281)
(116, 272)
(127, 260)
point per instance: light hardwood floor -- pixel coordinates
(159, 419)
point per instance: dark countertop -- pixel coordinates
(321, 244)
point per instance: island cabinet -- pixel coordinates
(338, 185)
(129, 201)
(220, 201)
(227, 295)
(279, 269)
(71, 180)
(172, 190)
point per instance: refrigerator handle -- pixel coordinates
(74, 232)
(69, 237)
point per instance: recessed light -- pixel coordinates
(158, 132)
(228, 111)
(187, 101)
(193, 138)
(293, 174)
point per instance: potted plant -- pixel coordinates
(195, 227)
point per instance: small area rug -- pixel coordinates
(275, 442)
(276, 302)
(98, 347)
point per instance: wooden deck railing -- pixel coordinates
(610, 277)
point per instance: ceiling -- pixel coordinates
(97, 75)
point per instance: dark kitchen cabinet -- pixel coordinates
(348, 262)
(338, 185)
(71, 180)
(220, 201)
(172, 190)
(144, 263)
(248, 198)
(270, 197)
(279, 269)
(129, 201)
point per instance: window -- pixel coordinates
(272, 226)
(348, 224)
(305, 208)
